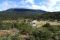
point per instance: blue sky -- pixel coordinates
(47, 5)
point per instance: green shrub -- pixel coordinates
(46, 25)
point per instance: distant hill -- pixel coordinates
(25, 10)
(16, 13)
(51, 16)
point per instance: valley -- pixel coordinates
(29, 24)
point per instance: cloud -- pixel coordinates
(13, 4)
(6, 5)
(52, 5)
(47, 5)
(33, 5)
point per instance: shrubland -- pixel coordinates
(27, 32)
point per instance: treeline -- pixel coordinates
(14, 15)
(51, 16)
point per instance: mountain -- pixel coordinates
(15, 13)
(51, 16)
(25, 10)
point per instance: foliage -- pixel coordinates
(46, 32)
(46, 25)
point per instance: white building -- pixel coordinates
(37, 24)
(34, 23)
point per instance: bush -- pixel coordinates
(46, 25)
(42, 34)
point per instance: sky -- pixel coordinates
(47, 5)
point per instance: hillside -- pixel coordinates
(28, 29)
(51, 16)
(20, 13)
(16, 13)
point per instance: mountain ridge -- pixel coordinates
(28, 13)
(23, 10)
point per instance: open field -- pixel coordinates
(41, 23)
(29, 30)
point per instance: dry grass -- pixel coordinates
(8, 32)
(41, 23)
